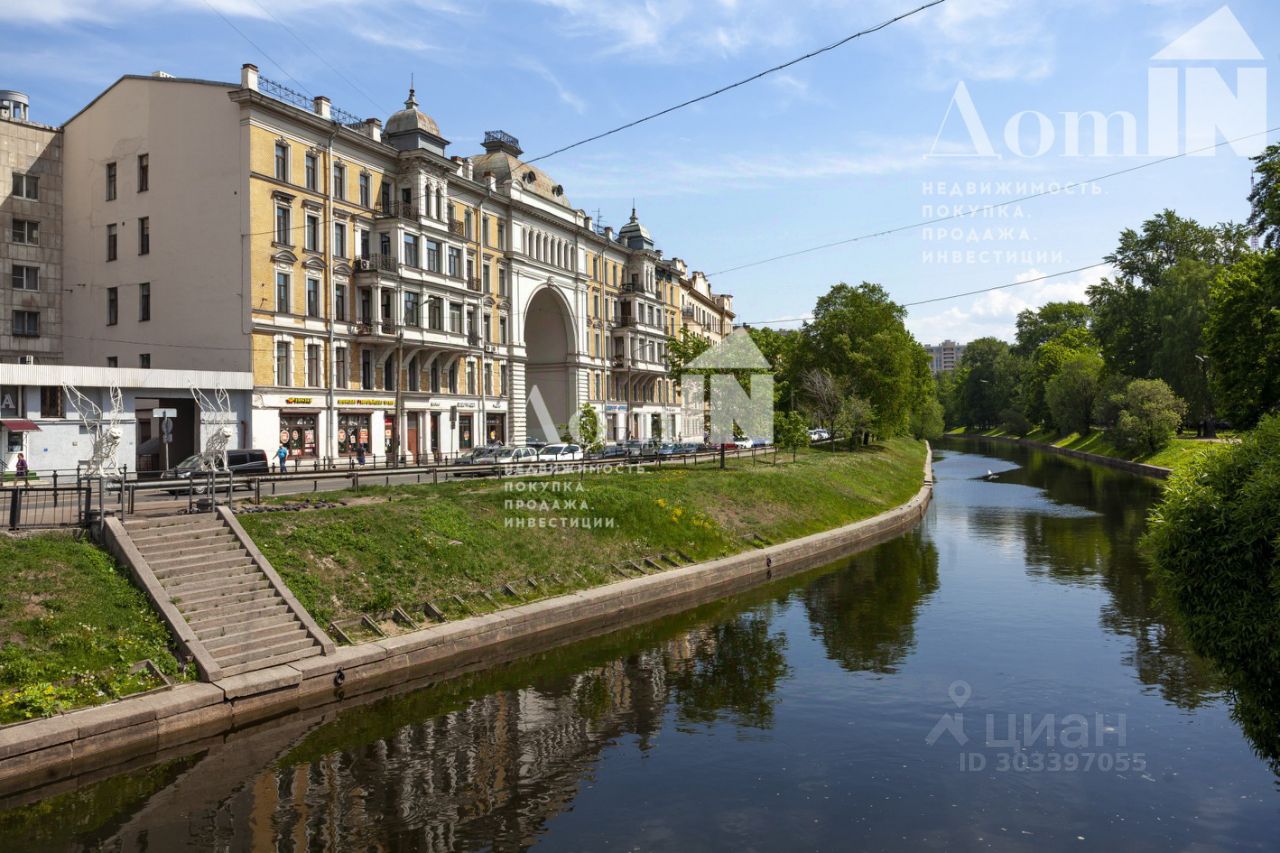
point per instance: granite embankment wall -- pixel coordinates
(1108, 461)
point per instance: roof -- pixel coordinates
(411, 118)
(153, 79)
(507, 167)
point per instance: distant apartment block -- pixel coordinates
(945, 356)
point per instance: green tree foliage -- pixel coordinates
(1049, 321)
(782, 349)
(856, 419)
(1180, 310)
(1149, 418)
(857, 333)
(1071, 391)
(981, 398)
(589, 427)
(1243, 338)
(1217, 556)
(684, 348)
(790, 431)
(1265, 196)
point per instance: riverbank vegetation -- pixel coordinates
(74, 629)
(404, 545)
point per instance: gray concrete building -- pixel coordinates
(945, 356)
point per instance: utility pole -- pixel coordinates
(399, 418)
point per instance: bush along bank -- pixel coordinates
(75, 631)
(1215, 545)
(1098, 443)
(461, 544)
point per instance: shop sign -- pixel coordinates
(366, 402)
(297, 401)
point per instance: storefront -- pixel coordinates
(299, 432)
(496, 429)
(353, 431)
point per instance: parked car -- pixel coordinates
(478, 456)
(241, 463)
(561, 453)
(667, 449)
(535, 443)
(692, 447)
(637, 449)
(744, 443)
(759, 442)
(612, 451)
(819, 434)
(516, 456)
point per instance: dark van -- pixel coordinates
(241, 463)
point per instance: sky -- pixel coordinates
(968, 104)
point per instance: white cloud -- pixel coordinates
(995, 313)
(530, 64)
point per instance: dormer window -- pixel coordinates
(530, 177)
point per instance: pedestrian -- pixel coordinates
(360, 453)
(282, 455)
(20, 469)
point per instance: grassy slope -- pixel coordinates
(401, 546)
(71, 626)
(1178, 453)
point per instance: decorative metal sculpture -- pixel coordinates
(217, 410)
(103, 428)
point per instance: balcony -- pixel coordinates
(377, 264)
(687, 312)
(403, 210)
(457, 228)
(473, 284)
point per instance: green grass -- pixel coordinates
(1175, 455)
(404, 545)
(71, 627)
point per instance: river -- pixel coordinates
(1001, 678)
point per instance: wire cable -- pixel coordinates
(255, 46)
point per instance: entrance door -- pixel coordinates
(435, 434)
(411, 435)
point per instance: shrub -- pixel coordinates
(1149, 418)
(1071, 391)
(1014, 421)
(1216, 550)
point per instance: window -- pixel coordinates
(113, 305)
(311, 233)
(502, 281)
(144, 172)
(455, 317)
(51, 402)
(339, 181)
(340, 303)
(144, 235)
(144, 360)
(26, 186)
(364, 189)
(502, 234)
(435, 314)
(488, 328)
(433, 256)
(413, 372)
(113, 361)
(434, 377)
(144, 302)
(502, 330)
(471, 377)
(384, 196)
(26, 278)
(111, 182)
(26, 324)
(341, 375)
(412, 308)
(453, 378)
(503, 378)
(111, 242)
(466, 223)
(282, 293)
(455, 261)
(26, 231)
(362, 242)
(283, 229)
(339, 239)
(411, 249)
(282, 363)
(484, 269)
(366, 369)
(313, 298)
(282, 161)
(313, 365)
(310, 170)
(484, 229)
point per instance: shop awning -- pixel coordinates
(19, 425)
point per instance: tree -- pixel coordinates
(1243, 338)
(981, 398)
(781, 347)
(790, 431)
(1265, 196)
(589, 427)
(1048, 359)
(1180, 310)
(1149, 418)
(1070, 393)
(683, 349)
(857, 417)
(1049, 321)
(823, 394)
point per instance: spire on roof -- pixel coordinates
(412, 102)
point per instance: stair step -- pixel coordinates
(182, 559)
(182, 534)
(202, 594)
(201, 566)
(263, 652)
(139, 524)
(189, 588)
(287, 657)
(243, 626)
(184, 547)
(231, 616)
(263, 638)
(219, 602)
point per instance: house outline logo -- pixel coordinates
(1193, 105)
(712, 378)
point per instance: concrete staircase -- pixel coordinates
(220, 596)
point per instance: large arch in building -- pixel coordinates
(549, 364)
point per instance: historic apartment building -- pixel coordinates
(380, 290)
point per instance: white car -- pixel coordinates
(818, 435)
(561, 453)
(517, 456)
(744, 443)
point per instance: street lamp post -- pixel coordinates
(1208, 429)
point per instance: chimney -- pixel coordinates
(249, 76)
(586, 222)
(373, 127)
(608, 233)
(469, 170)
(490, 181)
(322, 106)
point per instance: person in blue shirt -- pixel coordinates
(282, 455)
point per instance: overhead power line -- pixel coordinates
(969, 213)
(254, 45)
(742, 82)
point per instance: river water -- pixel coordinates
(1001, 678)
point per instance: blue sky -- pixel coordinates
(841, 145)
